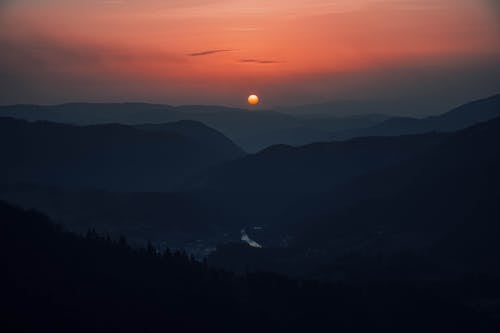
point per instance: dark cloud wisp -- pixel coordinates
(208, 52)
(259, 61)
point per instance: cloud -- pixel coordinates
(259, 61)
(208, 52)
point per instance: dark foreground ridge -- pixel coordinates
(58, 281)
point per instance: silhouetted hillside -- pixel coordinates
(454, 183)
(456, 119)
(365, 106)
(92, 113)
(174, 218)
(333, 123)
(111, 156)
(56, 281)
(255, 190)
(251, 130)
(258, 188)
(256, 130)
(440, 206)
(200, 133)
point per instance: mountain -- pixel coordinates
(258, 189)
(92, 113)
(436, 211)
(176, 219)
(111, 156)
(199, 133)
(361, 107)
(443, 202)
(337, 123)
(256, 130)
(450, 183)
(251, 130)
(254, 190)
(456, 119)
(53, 280)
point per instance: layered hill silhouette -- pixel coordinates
(111, 156)
(369, 195)
(223, 198)
(56, 281)
(441, 204)
(449, 189)
(401, 230)
(176, 219)
(258, 188)
(251, 130)
(197, 132)
(254, 190)
(255, 130)
(456, 119)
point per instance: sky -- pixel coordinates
(289, 52)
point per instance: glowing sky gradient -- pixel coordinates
(217, 51)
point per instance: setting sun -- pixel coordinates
(253, 99)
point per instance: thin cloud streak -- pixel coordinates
(208, 52)
(258, 61)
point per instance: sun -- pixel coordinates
(253, 99)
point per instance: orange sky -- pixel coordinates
(218, 51)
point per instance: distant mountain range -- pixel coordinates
(251, 130)
(456, 119)
(259, 188)
(256, 130)
(349, 107)
(110, 157)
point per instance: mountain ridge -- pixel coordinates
(108, 156)
(457, 118)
